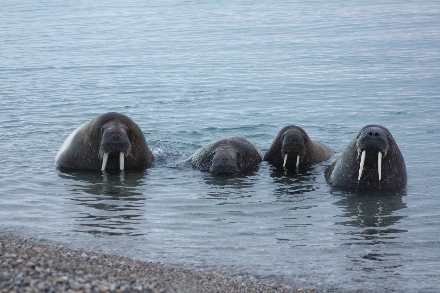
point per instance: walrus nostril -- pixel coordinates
(373, 133)
(291, 140)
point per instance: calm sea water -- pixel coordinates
(189, 72)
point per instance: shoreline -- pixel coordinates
(29, 266)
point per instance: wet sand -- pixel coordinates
(29, 266)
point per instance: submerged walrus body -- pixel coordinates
(111, 141)
(231, 156)
(371, 161)
(292, 148)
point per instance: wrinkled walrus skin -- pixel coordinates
(292, 149)
(372, 160)
(110, 141)
(230, 156)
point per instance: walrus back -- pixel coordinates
(61, 158)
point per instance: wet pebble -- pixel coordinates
(29, 266)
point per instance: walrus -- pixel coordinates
(230, 156)
(110, 141)
(292, 148)
(372, 160)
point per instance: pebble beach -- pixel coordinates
(29, 266)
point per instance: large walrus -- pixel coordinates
(111, 141)
(232, 156)
(292, 148)
(371, 161)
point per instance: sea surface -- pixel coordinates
(188, 72)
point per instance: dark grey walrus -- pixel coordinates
(227, 156)
(292, 148)
(371, 161)
(111, 141)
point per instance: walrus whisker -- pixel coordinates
(104, 161)
(361, 167)
(285, 161)
(121, 161)
(379, 165)
(297, 162)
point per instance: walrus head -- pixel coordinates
(372, 147)
(226, 160)
(115, 144)
(293, 146)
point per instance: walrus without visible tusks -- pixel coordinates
(110, 141)
(292, 148)
(230, 156)
(372, 160)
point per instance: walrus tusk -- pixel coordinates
(285, 160)
(104, 161)
(379, 165)
(297, 162)
(121, 161)
(361, 167)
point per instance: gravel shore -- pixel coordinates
(29, 266)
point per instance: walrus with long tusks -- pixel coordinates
(292, 148)
(229, 156)
(371, 161)
(111, 141)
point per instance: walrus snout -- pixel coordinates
(225, 162)
(372, 144)
(299, 149)
(292, 148)
(114, 142)
(293, 141)
(373, 140)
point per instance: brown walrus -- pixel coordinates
(372, 160)
(292, 148)
(111, 141)
(233, 155)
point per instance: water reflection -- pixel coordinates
(293, 186)
(370, 217)
(373, 213)
(110, 202)
(229, 187)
